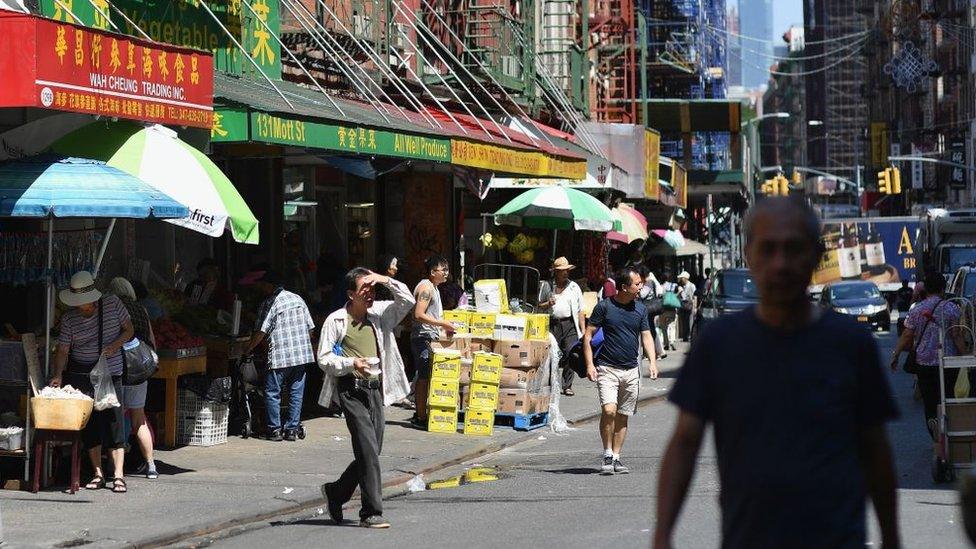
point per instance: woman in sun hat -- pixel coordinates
(563, 299)
(80, 345)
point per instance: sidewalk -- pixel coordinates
(203, 489)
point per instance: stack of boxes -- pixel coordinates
(443, 396)
(482, 394)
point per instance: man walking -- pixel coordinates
(686, 293)
(284, 319)
(798, 400)
(616, 367)
(428, 321)
(355, 350)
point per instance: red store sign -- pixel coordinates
(54, 65)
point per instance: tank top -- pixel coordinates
(434, 309)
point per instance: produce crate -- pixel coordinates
(200, 422)
(487, 368)
(446, 364)
(479, 422)
(188, 352)
(61, 414)
(442, 419)
(443, 393)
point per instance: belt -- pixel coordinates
(566, 319)
(354, 382)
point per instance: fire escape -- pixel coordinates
(613, 33)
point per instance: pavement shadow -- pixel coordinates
(573, 471)
(317, 522)
(164, 468)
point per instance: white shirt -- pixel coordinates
(687, 292)
(568, 304)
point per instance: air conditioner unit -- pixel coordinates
(510, 66)
(360, 26)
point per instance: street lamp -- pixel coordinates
(752, 140)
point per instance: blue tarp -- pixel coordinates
(54, 186)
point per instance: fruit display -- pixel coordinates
(172, 335)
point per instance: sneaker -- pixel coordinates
(144, 469)
(290, 436)
(331, 503)
(375, 521)
(619, 468)
(275, 436)
(607, 468)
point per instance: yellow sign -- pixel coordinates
(505, 160)
(879, 144)
(679, 181)
(652, 158)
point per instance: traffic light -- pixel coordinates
(884, 181)
(895, 181)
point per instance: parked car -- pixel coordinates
(727, 291)
(859, 299)
(963, 282)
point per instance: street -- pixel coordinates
(548, 491)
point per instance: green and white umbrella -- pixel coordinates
(157, 156)
(556, 208)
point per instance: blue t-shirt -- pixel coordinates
(622, 326)
(787, 408)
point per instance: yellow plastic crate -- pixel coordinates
(442, 419)
(482, 324)
(479, 422)
(482, 396)
(461, 320)
(443, 393)
(486, 368)
(446, 364)
(536, 326)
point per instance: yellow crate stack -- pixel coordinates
(443, 396)
(479, 414)
(460, 319)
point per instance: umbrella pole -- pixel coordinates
(47, 297)
(554, 233)
(101, 252)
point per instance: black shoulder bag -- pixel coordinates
(911, 363)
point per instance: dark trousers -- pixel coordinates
(928, 385)
(564, 330)
(684, 324)
(363, 409)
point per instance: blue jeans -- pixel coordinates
(291, 380)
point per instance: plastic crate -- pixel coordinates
(200, 422)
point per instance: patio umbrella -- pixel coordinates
(633, 225)
(556, 208)
(158, 157)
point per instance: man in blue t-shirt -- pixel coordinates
(798, 400)
(616, 367)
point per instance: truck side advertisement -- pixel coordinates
(880, 249)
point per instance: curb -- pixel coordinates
(393, 487)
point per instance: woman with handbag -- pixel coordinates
(134, 396)
(95, 329)
(563, 299)
(920, 339)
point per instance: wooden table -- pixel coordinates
(170, 369)
(41, 439)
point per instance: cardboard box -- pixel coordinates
(443, 393)
(536, 327)
(486, 368)
(479, 422)
(446, 364)
(522, 354)
(442, 420)
(961, 417)
(482, 325)
(510, 327)
(481, 396)
(540, 402)
(520, 378)
(459, 319)
(476, 344)
(514, 401)
(491, 296)
(962, 449)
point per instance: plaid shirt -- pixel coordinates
(285, 318)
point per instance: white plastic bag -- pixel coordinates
(101, 380)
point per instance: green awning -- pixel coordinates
(714, 177)
(696, 115)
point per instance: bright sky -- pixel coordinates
(786, 13)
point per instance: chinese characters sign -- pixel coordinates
(652, 158)
(957, 155)
(76, 69)
(268, 128)
(504, 160)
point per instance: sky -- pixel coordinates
(786, 13)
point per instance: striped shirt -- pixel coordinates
(285, 318)
(80, 333)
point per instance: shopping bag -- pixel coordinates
(101, 380)
(141, 362)
(671, 301)
(961, 390)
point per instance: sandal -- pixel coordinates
(118, 485)
(96, 483)
(569, 392)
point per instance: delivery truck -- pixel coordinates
(947, 240)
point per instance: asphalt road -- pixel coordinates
(548, 493)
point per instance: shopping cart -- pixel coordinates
(955, 446)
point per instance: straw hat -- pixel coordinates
(684, 275)
(562, 264)
(80, 291)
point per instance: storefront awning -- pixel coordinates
(250, 110)
(48, 64)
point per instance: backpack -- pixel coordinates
(574, 359)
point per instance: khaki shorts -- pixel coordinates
(619, 387)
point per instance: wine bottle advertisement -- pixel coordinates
(881, 250)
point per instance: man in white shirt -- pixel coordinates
(686, 292)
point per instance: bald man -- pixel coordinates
(798, 400)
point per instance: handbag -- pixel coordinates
(139, 360)
(671, 301)
(911, 363)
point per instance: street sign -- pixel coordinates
(917, 173)
(958, 176)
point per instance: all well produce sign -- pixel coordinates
(71, 68)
